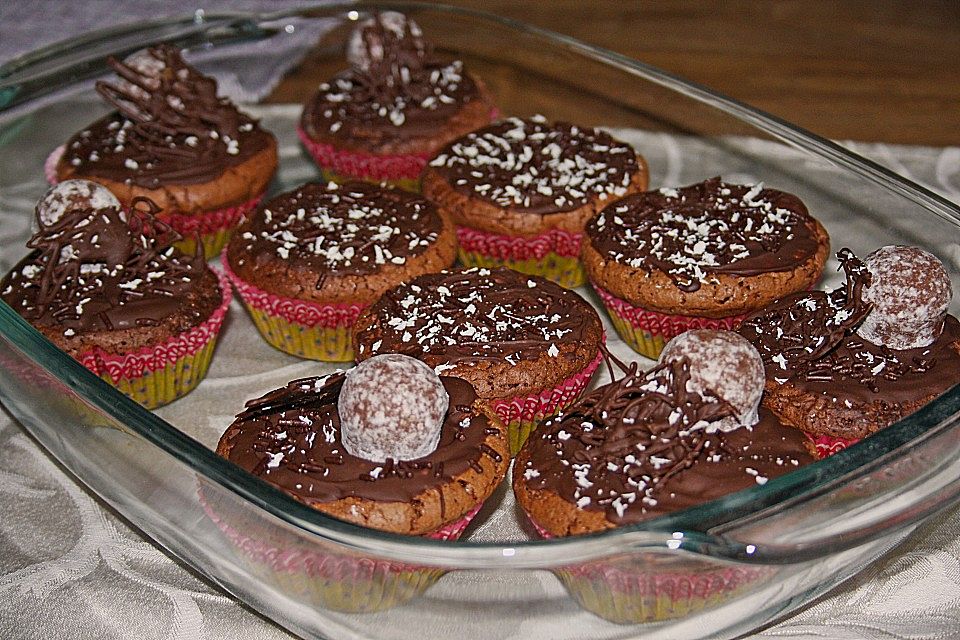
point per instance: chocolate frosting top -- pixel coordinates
(709, 228)
(809, 340)
(353, 228)
(640, 446)
(170, 127)
(473, 315)
(102, 269)
(532, 166)
(404, 92)
(290, 437)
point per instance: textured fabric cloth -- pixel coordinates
(70, 568)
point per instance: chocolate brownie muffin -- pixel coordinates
(650, 443)
(393, 108)
(520, 191)
(701, 256)
(309, 260)
(527, 345)
(341, 444)
(106, 286)
(172, 139)
(843, 364)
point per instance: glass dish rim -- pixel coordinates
(694, 529)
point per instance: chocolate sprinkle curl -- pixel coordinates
(797, 333)
(626, 439)
(90, 270)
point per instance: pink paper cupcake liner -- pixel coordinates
(340, 582)
(640, 593)
(364, 166)
(523, 414)
(213, 227)
(555, 254)
(299, 327)
(159, 374)
(824, 445)
(646, 332)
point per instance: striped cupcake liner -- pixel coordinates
(523, 414)
(159, 374)
(299, 327)
(213, 227)
(339, 582)
(341, 165)
(647, 332)
(634, 590)
(554, 255)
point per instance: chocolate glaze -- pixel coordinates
(809, 340)
(532, 166)
(478, 314)
(640, 446)
(708, 228)
(405, 92)
(354, 228)
(291, 438)
(101, 269)
(170, 128)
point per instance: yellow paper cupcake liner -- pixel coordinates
(212, 243)
(162, 386)
(640, 340)
(634, 607)
(329, 344)
(382, 590)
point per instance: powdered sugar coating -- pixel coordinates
(910, 291)
(73, 194)
(391, 407)
(725, 364)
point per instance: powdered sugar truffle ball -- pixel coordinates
(725, 364)
(910, 291)
(73, 194)
(366, 47)
(391, 406)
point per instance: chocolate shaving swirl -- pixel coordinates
(390, 59)
(796, 333)
(90, 268)
(170, 127)
(624, 440)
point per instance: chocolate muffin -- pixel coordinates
(843, 364)
(520, 191)
(309, 260)
(527, 345)
(106, 286)
(397, 104)
(172, 139)
(670, 260)
(303, 439)
(649, 444)
(686, 432)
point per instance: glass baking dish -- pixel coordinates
(716, 571)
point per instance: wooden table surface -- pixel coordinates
(881, 70)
